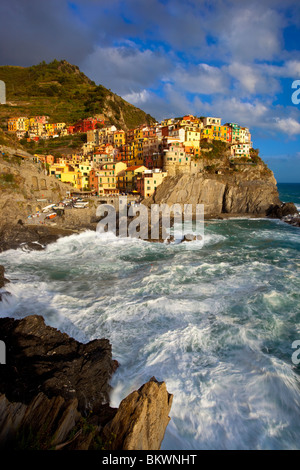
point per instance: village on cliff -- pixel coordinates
(114, 161)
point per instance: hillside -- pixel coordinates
(62, 92)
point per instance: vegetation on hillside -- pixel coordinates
(57, 147)
(215, 148)
(62, 92)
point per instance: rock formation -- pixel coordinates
(250, 190)
(3, 280)
(31, 237)
(54, 393)
(141, 419)
(287, 212)
(278, 211)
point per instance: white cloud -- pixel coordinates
(137, 98)
(287, 125)
(202, 78)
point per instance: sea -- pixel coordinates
(218, 322)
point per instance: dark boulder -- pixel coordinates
(40, 358)
(3, 280)
(279, 211)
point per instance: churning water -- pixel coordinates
(216, 323)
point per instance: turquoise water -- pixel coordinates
(289, 192)
(216, 323)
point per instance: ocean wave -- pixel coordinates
(215, 323)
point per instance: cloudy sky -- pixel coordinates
(231, 58)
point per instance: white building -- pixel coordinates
(211, 121)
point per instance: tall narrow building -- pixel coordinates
(2, 92)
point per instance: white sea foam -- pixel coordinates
(216, 323)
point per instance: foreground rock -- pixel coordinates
(292, 220)
(55, 363)
(287, 212)
(27, 237)
(141, 419)
(278, 211)
(3, 281)
(54, 393)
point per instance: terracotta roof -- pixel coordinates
(131, 168)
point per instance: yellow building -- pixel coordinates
(84, 169)
(50, 127)
(131, 174)
(148, 181)
(59, 126)
(137, 152)
(207, 133)
(18, 124)
(71, 177)
(108, 177)
(71, 174)
(192, 136)
(119, 138)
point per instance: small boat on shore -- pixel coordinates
(51, 216)
(80, 205)
(48, 208)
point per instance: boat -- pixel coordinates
(81, 205)
(51, 216)
(48, 208)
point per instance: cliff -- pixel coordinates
(239, 188)
(24, 188)
(54, 394)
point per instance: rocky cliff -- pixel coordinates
(236, 189)
(54, 393)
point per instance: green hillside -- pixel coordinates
(62, 92)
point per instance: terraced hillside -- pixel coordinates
(62, 92)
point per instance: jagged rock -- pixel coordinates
(141, 419)
(3, 280)
(13, 236)
(41, 358)
(43, 423)
(190, 237)
(50, 383)
(54, 393)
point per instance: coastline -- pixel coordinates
(211, 218)
(38, 236)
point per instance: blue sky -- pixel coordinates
(232, 59)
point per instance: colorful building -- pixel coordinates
(148, 181)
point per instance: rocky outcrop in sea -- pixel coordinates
(287, 212)
(54, 394)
